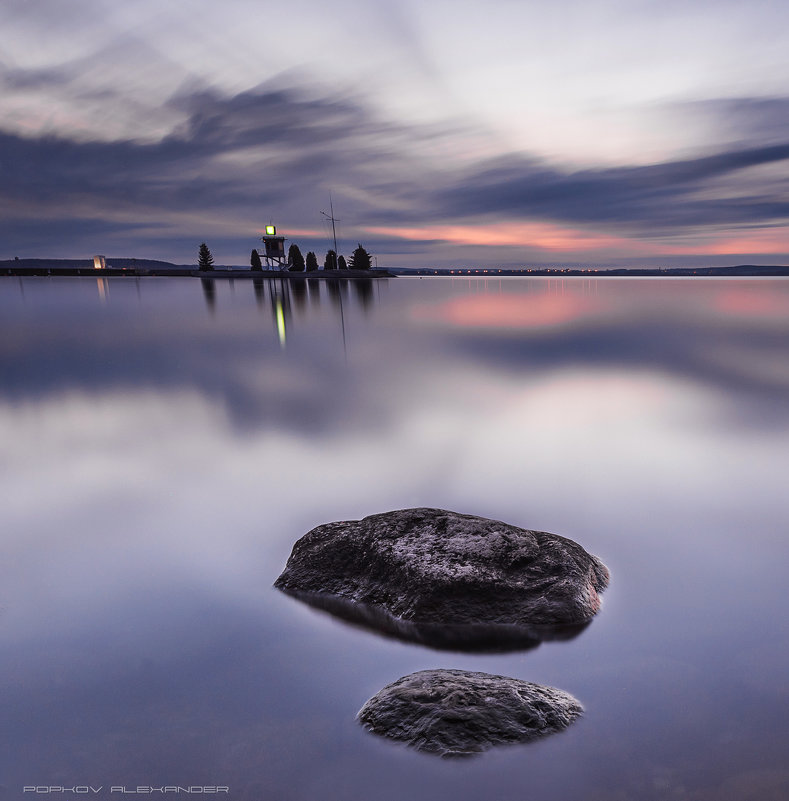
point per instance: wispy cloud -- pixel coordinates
(234, 160)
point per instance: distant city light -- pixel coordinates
(271, 230)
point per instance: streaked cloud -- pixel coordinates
(144, 128)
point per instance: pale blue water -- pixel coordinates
(162, 449)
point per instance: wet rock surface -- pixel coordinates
(432, 567)
(460, 713)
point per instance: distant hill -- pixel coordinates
(80, 264)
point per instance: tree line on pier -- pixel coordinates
(297, 263)
(360, 260)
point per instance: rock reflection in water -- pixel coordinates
(456, 713)
(469, 638)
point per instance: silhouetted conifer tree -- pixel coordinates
(360, 260)
(205, 261)
(341, 265)
(330, 262)
(295, 259)
(254, 260)
(312, 262)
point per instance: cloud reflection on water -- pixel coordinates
(159, 461)
(151, 412)
(729, 336)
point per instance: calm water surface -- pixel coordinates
(164, 444)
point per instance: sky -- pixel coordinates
(600, 132)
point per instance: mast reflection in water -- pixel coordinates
(301, 296)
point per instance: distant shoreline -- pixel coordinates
(740, 270)
(126, 267)
(139, 268)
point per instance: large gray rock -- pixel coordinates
(462, 577)
(457, 713)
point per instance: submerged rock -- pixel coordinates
(458, 713)
(433, 569)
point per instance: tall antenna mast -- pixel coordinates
(333, 229)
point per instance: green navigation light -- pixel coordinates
(271, 230)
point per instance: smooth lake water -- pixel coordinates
(164, 444)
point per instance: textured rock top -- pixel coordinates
(458, 713)
(432, 566)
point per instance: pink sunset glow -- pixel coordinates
(557, 238)
(749, 301)
(546, 236)
(508, 311)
